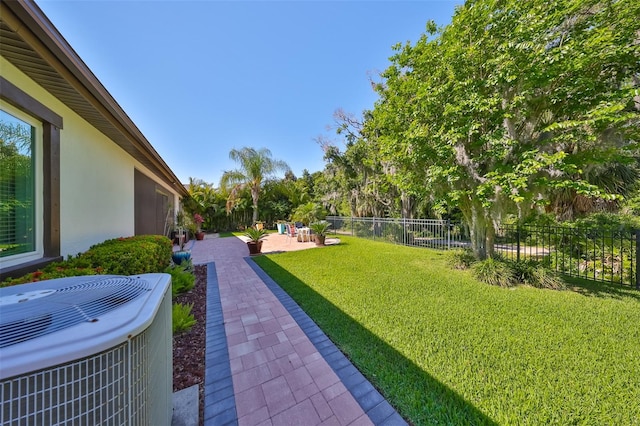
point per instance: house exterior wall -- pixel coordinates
(96, 177)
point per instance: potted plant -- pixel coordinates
(320, 231)
(197, 219)
(255, 239)
(181, 255)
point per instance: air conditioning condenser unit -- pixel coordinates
(88, 350)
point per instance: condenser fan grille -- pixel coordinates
(66, 307)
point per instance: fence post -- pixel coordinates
(448, 234)
(352, 226)
(638, 259)
(517, 243)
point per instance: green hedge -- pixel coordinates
(118, 256)
(131, 256)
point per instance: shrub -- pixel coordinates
(494, 272)
(535, 274)
(118, 256)
(131, 256)
(182, 280)
(460, 258)
(182, 318)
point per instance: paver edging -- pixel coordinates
(219, 399)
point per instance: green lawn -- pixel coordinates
(447, 349)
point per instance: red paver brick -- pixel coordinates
(247, 379)
(253, 359)
(298, 378)
(300, 414)
(243, 348)
(321, 406)
(304, 348)
(268, 340)
(306, 392)
(278, 395)
(331, 421)
(333, 391)
(323, 374)
(254, 418)
(283, 349)
(345, 408)
(249, 401)
(363, 420)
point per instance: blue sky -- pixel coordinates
(200, 78)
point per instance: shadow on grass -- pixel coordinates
(601, 289)
(419, 397)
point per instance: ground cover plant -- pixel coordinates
(445, 348)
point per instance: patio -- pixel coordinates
(267, 361)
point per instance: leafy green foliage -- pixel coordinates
(131, 255)
(182, 278)
(444, 348)
(255, 166)
(255, 234)
(119, 256)
(533, 273)
(511, 105)
(182, 318)
(320, 228)
(460, 258)
(308, 213)
(494, 272)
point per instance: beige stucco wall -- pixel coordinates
(96, 176)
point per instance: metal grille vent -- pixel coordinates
(25, 319)
(110, 388)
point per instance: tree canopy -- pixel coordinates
(511, 103)
(254, 167)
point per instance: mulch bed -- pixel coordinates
(189, 347)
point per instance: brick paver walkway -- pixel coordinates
(267, 362)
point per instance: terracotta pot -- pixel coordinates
(254, 247)
(200, 236)
(320, 240)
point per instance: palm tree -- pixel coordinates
(255, 166)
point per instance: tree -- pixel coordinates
(510, 102)
(255, 167)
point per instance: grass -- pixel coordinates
(447, 349)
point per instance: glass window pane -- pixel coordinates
(17, 186)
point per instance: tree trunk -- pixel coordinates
(481, 231)
(407, 205)
(255, 195)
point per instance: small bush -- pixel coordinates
(130, 256)
(182, 280)
(118, 256)
(536, 274)
(182, 317)
(494, 272)
(460, 258)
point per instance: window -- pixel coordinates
(17, 186)
(30, 233)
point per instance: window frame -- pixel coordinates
(48, 168)
(36, 163)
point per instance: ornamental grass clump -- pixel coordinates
(460, 258)
(494, 272)
(535, 274)
(182, 318)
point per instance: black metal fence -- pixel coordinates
(598, 254)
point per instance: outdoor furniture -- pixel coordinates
(291, 231)
(304, 235)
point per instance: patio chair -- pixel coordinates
(291, 232)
